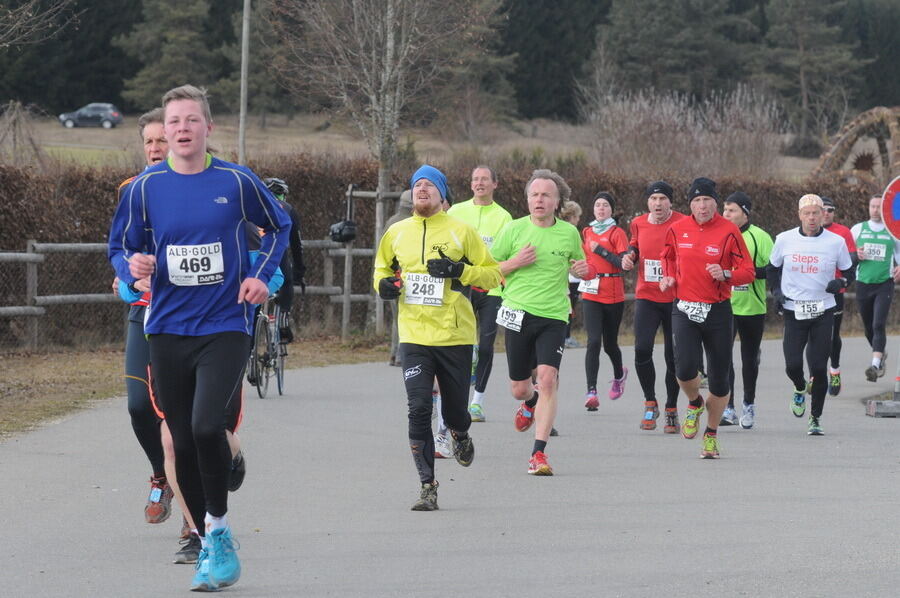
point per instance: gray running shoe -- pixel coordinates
(747, 416)
(237, 472)
(427, 498)
(463, 450)
(190, 550)
(729, 417)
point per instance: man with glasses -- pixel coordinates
(834, 371)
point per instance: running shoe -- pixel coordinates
(427, 498)
(747, 415)
(476, 412)
(691, 421)
(524, 417)
(571, 343)
(189, 552)
(201, 582)
(651, 413)
(880, 369)
(672, 425)
(729, 417)
(237, 472)
(798, 403)
(224, 566)
(871, 373)
(463, 450)
(710, 447)
(159, 502)
(442, 447)
(538, 465)
(834, 384)
(618, 385)
(553, 432)
(814, 428)
(592, 403)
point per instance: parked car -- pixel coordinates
(92, 115)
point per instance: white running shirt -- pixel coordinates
(808, 264)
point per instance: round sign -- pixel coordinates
(890, 208)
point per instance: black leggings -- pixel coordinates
(812, 335)
(713, 335)
(144, 420)
(751, 330)
(452, 366)
(195, 378)
(874, 302)
(648, 317)
(573, 299)
(486, 308)
(836, 342)
(602, 320)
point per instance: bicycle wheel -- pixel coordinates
(260, 357)
(279, 350)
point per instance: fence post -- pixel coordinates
(379, 226)
(31, 290)
(328, 276)
(348, 283)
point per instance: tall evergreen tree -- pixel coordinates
(170, 43)
(551, 41)
(872, 25)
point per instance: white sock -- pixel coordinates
(876, 362)
(214, 523)
(440, 416)
(202, 539)
(477, 397)
(834, 372)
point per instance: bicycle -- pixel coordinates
(269, 350)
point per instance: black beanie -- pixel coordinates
(703, 186)
(608, 197)
(827, 202)
(660, 187)
(742, 200)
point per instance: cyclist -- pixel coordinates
(185, 211)
(603, 296)
(436, 257)
(292, 266)
(876, 274)
(488, 218)
(834, 370)
(536, 253)
(704, 256)
(801, 276)
(653, 307)
(748, 306)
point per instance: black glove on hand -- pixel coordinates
(778, 297)
(834, 286)
(445, 267)
(389, 288)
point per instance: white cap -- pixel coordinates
(810, 199)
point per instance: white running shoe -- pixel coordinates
(442, 447)
(729, 417)
(747, 416)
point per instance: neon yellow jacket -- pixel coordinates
(407, 246)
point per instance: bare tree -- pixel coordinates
(32, 21)
(371, 58)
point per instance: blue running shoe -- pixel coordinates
(224, 566)
(201, 581)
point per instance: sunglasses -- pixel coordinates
(829, 210)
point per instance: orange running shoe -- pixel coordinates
(651, 414)
(524, 417)
(159, 503)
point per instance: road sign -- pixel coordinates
(890, 208)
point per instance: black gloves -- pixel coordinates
(389, 288)
(445, 267)
(835, 286)
(778, 298)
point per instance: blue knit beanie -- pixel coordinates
(432, 174)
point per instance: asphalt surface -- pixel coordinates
(324, 510)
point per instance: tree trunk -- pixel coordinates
(804, 92)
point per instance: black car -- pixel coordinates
(92, 115)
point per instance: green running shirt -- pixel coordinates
(750, 299)
(487, 220)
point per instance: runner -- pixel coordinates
(703, 257)
(536, 253)
(801, 277)
(437, 256)
(876, 274)
(604, 297)
(834, 377)
(653, 307)
(488, 218)
(748, 307)
(190, 212)
(571, 213)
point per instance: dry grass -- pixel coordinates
(40, 387)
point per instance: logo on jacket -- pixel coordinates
(712, 250)
(221, 200)
(440, 247)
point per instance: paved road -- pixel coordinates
(325, 511)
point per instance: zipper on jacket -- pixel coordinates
(424, 230)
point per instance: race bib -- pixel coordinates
(653, 270)
(875, 251)
(589, 286)
(808, 309)
(422, 289)
(194, 265)
(510, 319)
(740, 288)
(696, 311)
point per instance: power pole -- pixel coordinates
(245, 59)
